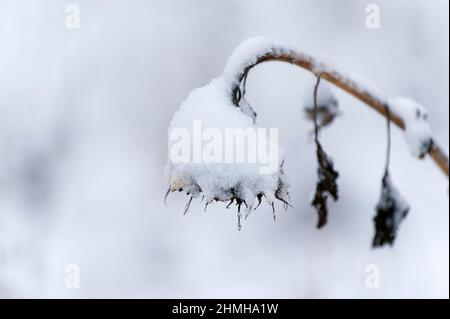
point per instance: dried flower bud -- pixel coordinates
(327, 106)
(326, 185)
(391, 210)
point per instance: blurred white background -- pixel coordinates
(83, 134)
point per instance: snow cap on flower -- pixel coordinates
(243, 183)
(417, 129)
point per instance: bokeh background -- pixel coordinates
(83, 137)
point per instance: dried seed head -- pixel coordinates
(326, 186)
(248, 192)
(327, 106)
(391, 210)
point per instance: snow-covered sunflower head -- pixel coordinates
(217, 153)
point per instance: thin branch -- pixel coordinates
(389, 142)
(327, 176)
(244, 85)
(316, 126)
(309, 63)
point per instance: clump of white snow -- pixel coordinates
(417, 130)
(209, 173)
(247, 109)
(327, 104)
(247, 54)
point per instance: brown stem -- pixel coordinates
(389, 143)
(321, 70)
(316, 126)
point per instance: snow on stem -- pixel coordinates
(255, 51)
(221, 105)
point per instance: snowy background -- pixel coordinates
(83, 137)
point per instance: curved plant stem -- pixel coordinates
(389, 142)
(309, 63)
(316, 126)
